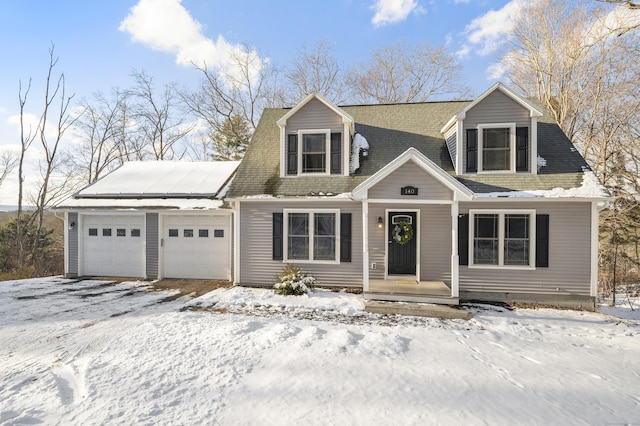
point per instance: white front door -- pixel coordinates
(113, 245)
(196, 246)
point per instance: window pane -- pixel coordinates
(486, 225)
(106, 232)
(203, 233)
(496, 153)
(135, 232)
(298, 242)
(485, 252)
(188, 233)
(218, 233)
(93, 232)
(485, 239)
(173, 232)
(516, 239)
(120, 232)
(324, 241)
(314, 153)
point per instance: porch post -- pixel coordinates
(594, 249)
(455, 264)
(365, 246)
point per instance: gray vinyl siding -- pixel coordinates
(314, 115)
(410, 175)
(257, 266)
(452, 145)
(495, 108)
(569, 255)
(435, 241)
(151, 250)
(72, 241)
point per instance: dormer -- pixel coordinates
(495, 134)
(315, 137)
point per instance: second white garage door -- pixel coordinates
(196, 246)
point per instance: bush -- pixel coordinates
(293, 282)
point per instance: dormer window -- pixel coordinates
(497, 148)
(314, 152)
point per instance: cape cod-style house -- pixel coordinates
(433, 202)
(429, 202)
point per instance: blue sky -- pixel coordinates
(99, 43)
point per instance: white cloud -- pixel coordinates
(461, 1)
(617, 21)
(463, 52)
(392, 11)
(489, 30)
(165, 25)
(497, 70)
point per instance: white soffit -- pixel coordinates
(163, 178)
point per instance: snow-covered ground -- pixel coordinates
(90, 352)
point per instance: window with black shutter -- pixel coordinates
(336, 153)
(277, 241)
(522, 149)
(345, 237)
(292, 154)
(542, 240)
(472, 150)
(463, 239)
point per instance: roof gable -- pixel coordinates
(346, 118)
(412, 154)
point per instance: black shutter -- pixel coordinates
(542, 240)
(463, 239)
(522, 149)
(336, 153)
(292, 155)
(472, 150)
(277, 240)
(345, 237)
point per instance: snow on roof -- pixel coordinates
(139, 204)
(590, 188)
(163, 179)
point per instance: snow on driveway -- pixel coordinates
(93, 352)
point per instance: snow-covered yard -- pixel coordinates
(90, 352)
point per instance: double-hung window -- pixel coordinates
(312, 235)
(314, 152)
(502, 238)
(497, 147)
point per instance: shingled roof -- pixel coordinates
(391, 130)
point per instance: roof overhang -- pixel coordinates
(461, 192)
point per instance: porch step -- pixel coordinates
(416, 298)
(416, 310)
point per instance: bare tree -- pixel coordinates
(315, 70)
(102, 126)
(158, 118)
(55, 117)
(626, 3)
(400, 73)
(8, 163)
(242, 89)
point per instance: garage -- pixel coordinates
(196, 246)
(113, 245)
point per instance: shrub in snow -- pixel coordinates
(293, 282)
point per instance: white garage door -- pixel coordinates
(113, 245)
(196, 246)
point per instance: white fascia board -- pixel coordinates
(449, 124)
(360, 192)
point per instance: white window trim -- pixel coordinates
(311, 212)
(327, 147)
(501, 214)
(512, 146)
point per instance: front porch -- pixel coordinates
(411, 291)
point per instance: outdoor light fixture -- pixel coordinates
(380, 222)
(72, 225)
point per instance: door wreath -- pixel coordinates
(402, 233)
